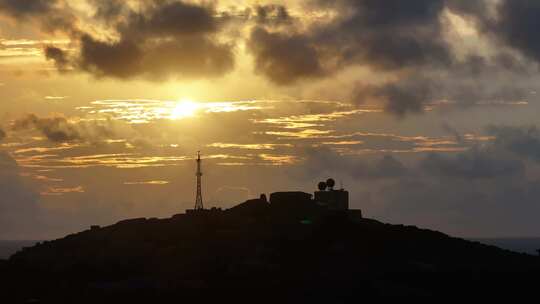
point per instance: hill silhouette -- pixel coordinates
(295, 249)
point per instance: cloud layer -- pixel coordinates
(58, 129)
(417, 49)
(161, 40)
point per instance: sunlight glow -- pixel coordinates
(184, 108)
(144, 111)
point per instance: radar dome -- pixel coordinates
(322, 186)
(330, 183)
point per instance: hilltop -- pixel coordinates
(293, 247)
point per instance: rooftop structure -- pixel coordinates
(330, 198)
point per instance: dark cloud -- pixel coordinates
(471, 165)
(2, 134)
(272, 14)
(387, 35)
(486, 162)
(389, 166)
(25, 8)
(451, 130)
(189, 57)
(58, 56)
(406, 40)
(56, 129)
(406, 96)
(59, 129)
(174, 19)
(108, 10)
(523, 141)
(322, 162)
(465, 84)
(284, 58)
(511, 23)
(167, 39)
(516, 25)
(52, 15)
(120, 59)
(403, 38)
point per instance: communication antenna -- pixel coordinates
(198, 199)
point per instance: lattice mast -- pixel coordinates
(198, 200)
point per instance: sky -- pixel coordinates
(425, 110)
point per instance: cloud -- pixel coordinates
(284, 58)
(504, 157)
(400, 97)
(471, 165)
(322, 161)
(516, 25)
(171, 19)
(56, 129)
(52, 15)
(410, 47)
(523, 141)
(387, 35)
(58, 56)
(472, 82)
(165, 39)
(192, 57)
(2, 134)
(59, 129)
(408, 44)
(24, 8)
(108, 10)
(119, 59)
(272, 14)
(382, 35)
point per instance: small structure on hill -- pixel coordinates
(327, 202)
(326, 198)
(330, 198)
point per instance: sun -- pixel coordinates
(184, 108)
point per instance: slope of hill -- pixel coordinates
(7, 248)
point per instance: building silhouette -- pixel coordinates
(330, 198)
(306, 207)
(325, 201)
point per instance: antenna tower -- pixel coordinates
(198, 200)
